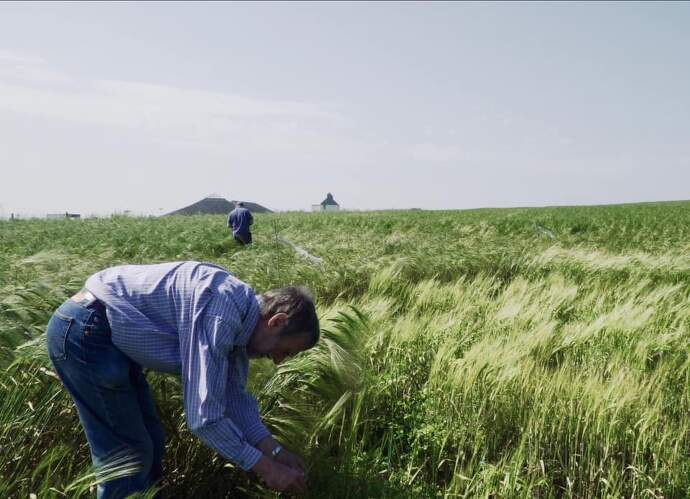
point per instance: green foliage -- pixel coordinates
(482, 353)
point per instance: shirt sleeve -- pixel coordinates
(205, 353)
(242, 407)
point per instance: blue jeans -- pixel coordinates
(112, 397)
(243, 238)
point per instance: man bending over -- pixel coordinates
(188, 318)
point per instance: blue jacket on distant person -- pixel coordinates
(239, 220)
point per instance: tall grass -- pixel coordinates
(464, 354)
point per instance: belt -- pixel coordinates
(86, 298)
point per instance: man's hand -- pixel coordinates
(278, 476)
(292, 460)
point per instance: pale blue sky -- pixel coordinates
(151, 106)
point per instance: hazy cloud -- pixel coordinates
(219, 123)
(20, 67)
(429, 151)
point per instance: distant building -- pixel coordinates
(328, 204)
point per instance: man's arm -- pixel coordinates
(241, 405)
(205, 351)
(205, 364)
(244, 411)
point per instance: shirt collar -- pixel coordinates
(250, 321)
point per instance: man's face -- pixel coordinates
(268, 342)
(280, 350)
(286, 347)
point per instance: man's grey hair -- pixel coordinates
(297, 303)
(240, 203)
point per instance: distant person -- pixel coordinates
(192, 319)
(239, 221)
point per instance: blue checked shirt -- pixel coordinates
(192, 319)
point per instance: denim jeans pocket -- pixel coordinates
(98, 327)
(58, 329)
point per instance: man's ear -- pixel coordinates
(279, 320)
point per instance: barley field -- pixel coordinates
(485, 353)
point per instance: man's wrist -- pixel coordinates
(270, 447)
(267, 445)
